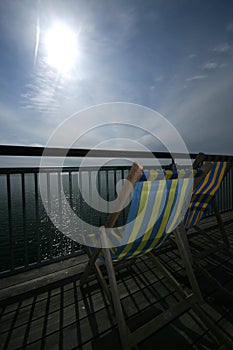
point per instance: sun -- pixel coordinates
(61, 47)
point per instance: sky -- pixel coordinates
(173, 56)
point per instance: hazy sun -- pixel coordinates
(61, 47)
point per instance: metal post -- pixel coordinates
(25, 238)
(11, 241)
(37, 217)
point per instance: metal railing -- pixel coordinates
(28, 238)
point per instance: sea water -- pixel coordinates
(27, 235)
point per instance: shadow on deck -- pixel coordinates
(61, 316)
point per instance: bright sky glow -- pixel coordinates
(61, 47)
(60, 57)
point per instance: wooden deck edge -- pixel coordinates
(25, 282)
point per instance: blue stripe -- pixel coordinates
(205, 197)
(197, 199)
(144, 177)
(133, 211)
(156, 225)
(149, 207)
(142, 230)
(176, 203)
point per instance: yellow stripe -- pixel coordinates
(116, 235)
(213, 181)
(157, 204)
(168, 174)
(180, 204)
(204, 205)
(167, 211)
(213, 190)
(113, 250)
(140, 215)
(200, 189)
(209, 187)
(182, 173)
(196, 193)
(198, 217)
(94, 239)
(153, 175)
(154, 216)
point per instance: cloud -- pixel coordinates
(224, 48)
(196, 77)
(54, 96)
(213, 65)
(42, 93)
(192, 56)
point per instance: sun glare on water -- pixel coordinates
(61, 47)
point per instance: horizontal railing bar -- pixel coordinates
(10, 150)
(27, 170)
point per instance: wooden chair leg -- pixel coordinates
(180, 236)
(220, 224)
(124, 334)
(92, 259)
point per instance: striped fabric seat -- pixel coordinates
(152, 175)
(156, 209)
(204, 194)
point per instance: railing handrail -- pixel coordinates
(34, 151)
(11, 150)
(65, 169)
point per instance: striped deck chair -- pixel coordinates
(156, 209)
(203, 198)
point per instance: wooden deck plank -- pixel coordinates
(63, 315)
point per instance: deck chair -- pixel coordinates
(155, 210)
(207, 184)
(203, 197)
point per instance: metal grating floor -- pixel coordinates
(61, 316)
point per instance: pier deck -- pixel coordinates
(47, 309)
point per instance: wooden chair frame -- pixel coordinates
(193, 300)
